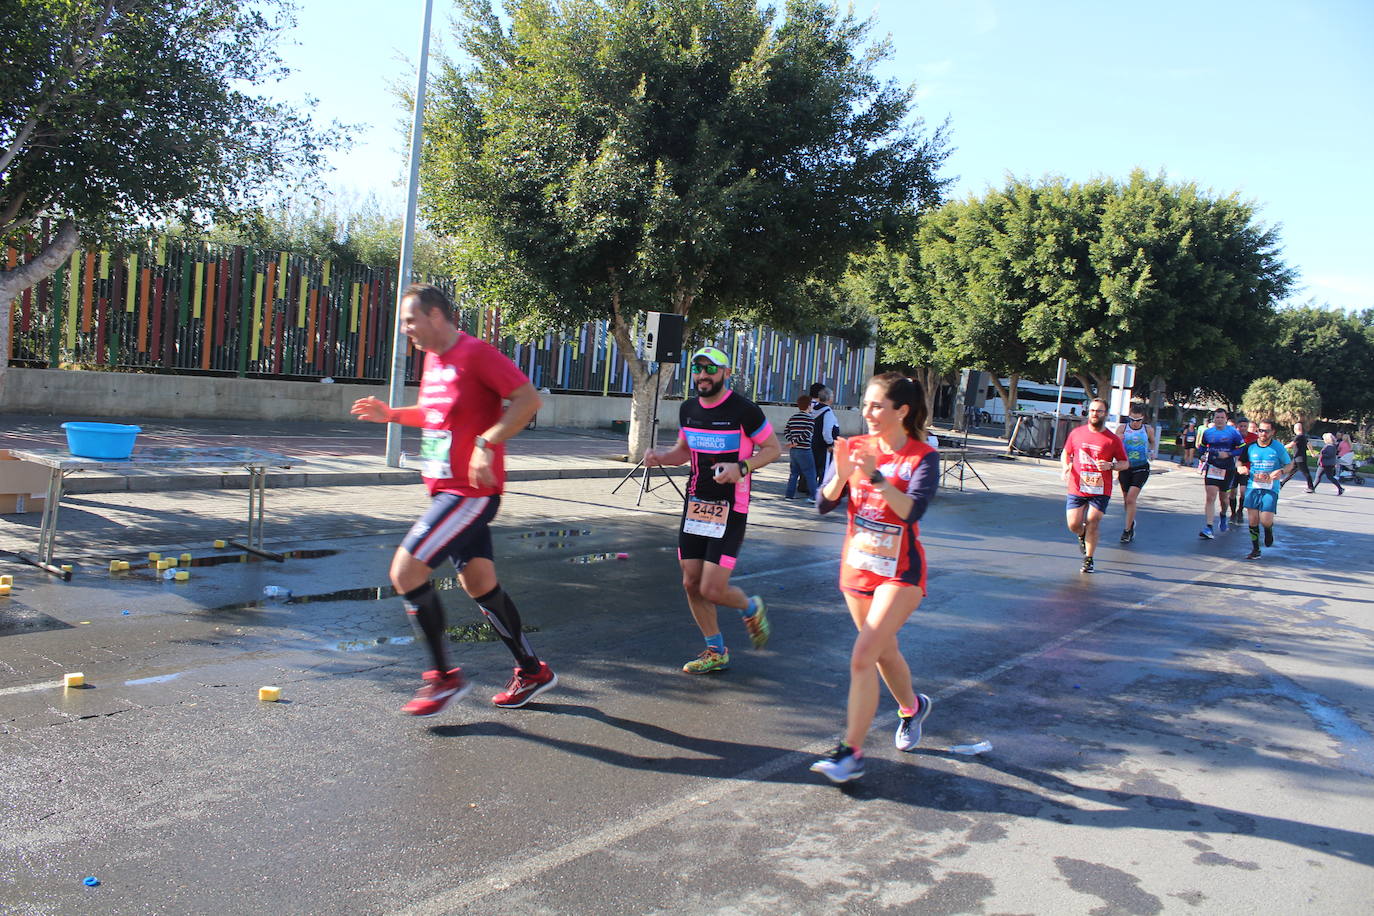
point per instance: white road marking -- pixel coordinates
(777, 572)
(30, 688)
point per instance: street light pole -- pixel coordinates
(396, 397)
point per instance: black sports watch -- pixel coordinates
(876, 478)
(481, 442)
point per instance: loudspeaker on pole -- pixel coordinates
(663, 336)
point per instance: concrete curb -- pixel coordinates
(161, 483)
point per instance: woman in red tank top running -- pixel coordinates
(890, 477)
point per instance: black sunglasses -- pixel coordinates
(705, 369)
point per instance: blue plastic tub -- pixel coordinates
(101, 440)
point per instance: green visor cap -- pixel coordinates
(712, 355)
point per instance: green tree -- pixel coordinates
(1332, 348)
(1261, 399)
(1146, 272)
(607, 157)
(1183, 279)
(1298, 401)
(885, 283)
(993, 283)
(124, 113)
(343, 229)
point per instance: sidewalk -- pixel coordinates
(345, 452)
(332, 454)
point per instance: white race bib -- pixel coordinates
(1089, 477)
(706, 518)
(875, 546)
(1215, 473)
(435, 445)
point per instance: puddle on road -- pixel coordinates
(159, 679)
(376, 593)
(479, 632)
(15, 618)
(598, 557)
(146, 571)
(553, 533)
(372, 593)
(252, 558)
(362, 645)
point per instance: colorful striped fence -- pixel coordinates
(187, 307)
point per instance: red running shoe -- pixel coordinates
(525, 687)
(438, 692)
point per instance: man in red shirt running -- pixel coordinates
(1092, 453)
(463, 464)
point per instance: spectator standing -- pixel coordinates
(815, 391)
(798, 433)
(826, 426)
(1345, 452)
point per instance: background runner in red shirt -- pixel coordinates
(1092, 453)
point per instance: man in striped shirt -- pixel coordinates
(798, 433)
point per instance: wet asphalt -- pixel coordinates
(1183, 731)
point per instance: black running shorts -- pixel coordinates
(1133, 477)
(455, 528)
(722, 551)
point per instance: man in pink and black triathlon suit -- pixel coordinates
(1092, 453)
(463, 464)
(726, 437)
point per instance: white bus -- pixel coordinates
(1034, 396)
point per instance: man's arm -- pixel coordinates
(1122, 461)
(768, 452)
(375, 410)
(679, 453)
(524, 404)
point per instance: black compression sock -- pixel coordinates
(424, 605)
(505, 619)
(1268, 535)
(1254, 536)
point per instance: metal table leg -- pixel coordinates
(47, 530)
(257, 495)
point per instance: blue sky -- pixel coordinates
(1269, 100)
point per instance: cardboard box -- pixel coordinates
(23, 485)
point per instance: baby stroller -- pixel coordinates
(1346, 467)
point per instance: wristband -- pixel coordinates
(481, 442)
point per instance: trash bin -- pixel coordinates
(1032, 434)
(620, 426)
